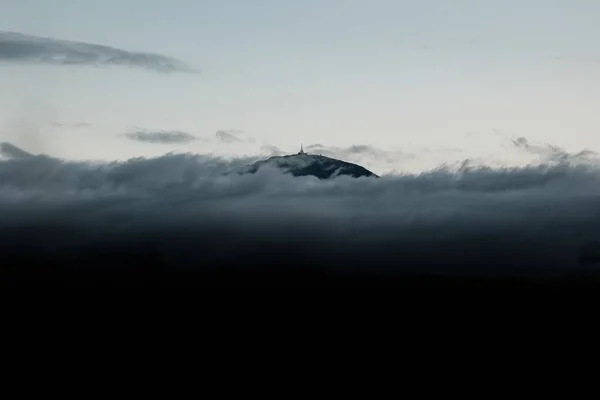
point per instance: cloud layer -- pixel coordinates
(183, 211)
(16, 47)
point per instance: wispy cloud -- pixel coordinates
(171, 137)
(363, 154)
(351, 150)
(232, 136)
(550, 153)
(16, 47)
(272, 150)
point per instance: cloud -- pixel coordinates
(549, 153)
(179, 212)
(16, 47)
(272, 150)
(347, 151)
(10, 151)
(170, 137)
(228, 136)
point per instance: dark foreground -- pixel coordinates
(271, 266)
(150, 277)
(286, 255)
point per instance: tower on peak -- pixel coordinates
(301, 149)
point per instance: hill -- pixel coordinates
(303, 164)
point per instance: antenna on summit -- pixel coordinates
(301, 149)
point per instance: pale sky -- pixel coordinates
(426, 74)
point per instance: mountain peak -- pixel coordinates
(304, 164)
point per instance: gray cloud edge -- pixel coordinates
(161, 137)
(21, 48)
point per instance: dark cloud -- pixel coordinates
(16, 47)
(180, 216)
(170, 137)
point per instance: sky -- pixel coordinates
(121, 122)
(454, 79)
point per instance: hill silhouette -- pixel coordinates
(303, 164)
